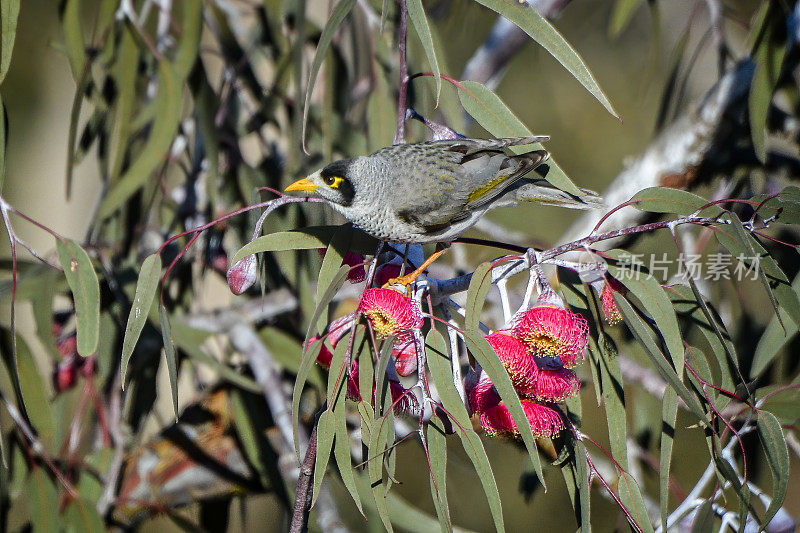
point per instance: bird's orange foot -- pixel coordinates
(411, 277)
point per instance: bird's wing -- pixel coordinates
(472, 173)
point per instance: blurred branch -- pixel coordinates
(673, 158)
(700, 144)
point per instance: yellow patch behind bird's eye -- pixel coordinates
(333, 181)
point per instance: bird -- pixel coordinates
(433, 191)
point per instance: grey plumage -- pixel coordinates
(433, 191)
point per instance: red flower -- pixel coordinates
(405, 356)
(355, 261)
(610, 309)
(483, 395)
(336, 330)
(551, 330)
(545, 421)
(556, 383)
(390, 312)
(516, 358)
(386, 272)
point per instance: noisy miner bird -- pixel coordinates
(433, 191)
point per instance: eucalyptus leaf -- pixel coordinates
(85, 289)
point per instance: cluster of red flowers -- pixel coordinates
(538, 351)
(390, 313)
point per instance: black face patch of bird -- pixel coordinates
(335, 176)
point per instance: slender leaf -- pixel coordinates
(44, 501)
(704, 518)
(191, 28)
(85, 289)
(35, 394)
(669, 414)
(667, 200)
(303, 239)
(311, 352)
(437, 453)
(621, 16)
(774, 441)
(169, 354)
(83, 516)
(768, 57)
(642, 332)
(326, 430)
(648, 290)
(479, 287)
(168, 108)
(490, 362)
(146, 287)
(541, 31)
(631, 497)
(341, 10)
(494, 115)
(9, 11)
(74, 37)
(341, 452)
(442, 375)
(420, 21)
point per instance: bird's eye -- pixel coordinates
(332, 181)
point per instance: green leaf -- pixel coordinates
(326, 430)
(669, 414)
(768, 57)
(246, 423)
(621, 16)
(642, 333)
(43, 502)
(614, 400)
(73, 37)
(169, 354)
(85, 289)
(546, 35)
(334, 256)
(775, 447)
(743, 246)
(191, 29)
(631, 497)
(35, 395)
(440, 368)
(9, 11)
(690, 300)
(377, 449)
(146, 287)
(653, 298)
(311, 353)
(420, 21)
(483, 352)
(493, 114)
(381, 114)
(666, 200)
(83, 516)
(341, 10)
(168, 108)
(479, 286)
(437, 457)
(341, 452)
(309, 238)
(704, 518)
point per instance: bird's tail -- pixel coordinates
(541, 192)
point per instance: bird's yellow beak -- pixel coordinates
(304, 184)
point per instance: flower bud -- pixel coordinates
(242, 275)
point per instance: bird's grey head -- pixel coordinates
(336, 183)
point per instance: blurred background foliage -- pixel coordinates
(235, 104)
